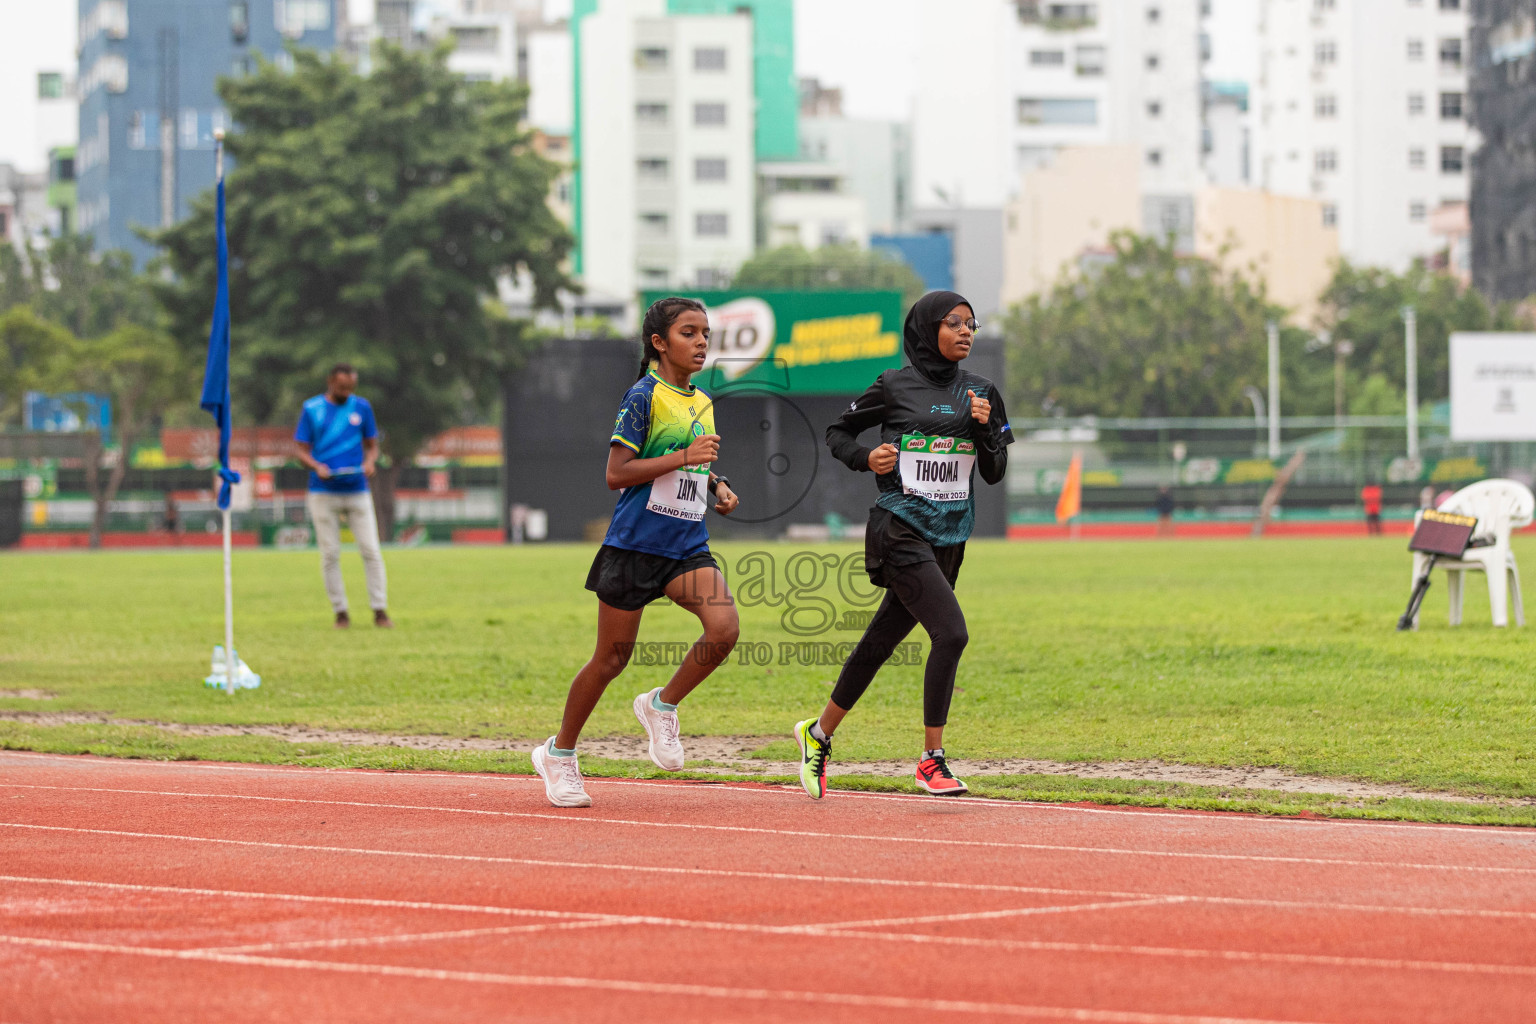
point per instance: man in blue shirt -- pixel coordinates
(339, 441)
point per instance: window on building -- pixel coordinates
(1325, 51)
(834, 232)
(653, 225)
(709, 168)
(1450, 51)
(1417, 211)
(295, 17)
(50, 85)
(1153, 61)
(138, 135)
(1453, 159)
(284, 62)
(239, 20)
(1154, 108)
(711, 225)
(1154, 158)
(1325, 161)
(1326, 105)
(1415, 49)
(1451, 106)
(653, 277)
(1039, 110)
(1415, 104)
(1416, 158)
(1047, 58)
(188, 138)
(1090, 61)
(1057, 15)
(651, 58)
(1330, 215)
(240, 66)
(108, 16)
(1450, 5)
(651, 168)
(651, 115)
(476, 38)
(709, 58)
(709, 115)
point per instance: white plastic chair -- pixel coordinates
(1501, 507)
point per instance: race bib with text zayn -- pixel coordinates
(936, 468)
(681, 493)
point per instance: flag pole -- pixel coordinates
(229, 590)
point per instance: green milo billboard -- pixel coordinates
(807, 343)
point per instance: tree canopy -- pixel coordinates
(1151, 332)
(370, 219)
(846, 267)
(1364, 306)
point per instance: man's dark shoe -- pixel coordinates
(343, 620)
(382, 620)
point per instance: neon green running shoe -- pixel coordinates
(813, 759)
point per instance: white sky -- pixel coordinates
(868, 47)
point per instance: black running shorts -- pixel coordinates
(633, 579)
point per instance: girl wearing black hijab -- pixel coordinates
(938, 424)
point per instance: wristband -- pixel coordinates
(714, 485)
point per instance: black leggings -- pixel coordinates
(915, 593)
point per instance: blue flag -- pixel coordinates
(216, 375)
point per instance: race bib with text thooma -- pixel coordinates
(937, 468)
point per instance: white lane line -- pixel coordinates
(780, 790)
(382, 940)
(987, 915)
(1196, 953)
(775, 876)
(646, 987)
(841, 930)
(353, 901)
(804, 833)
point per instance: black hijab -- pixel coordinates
(920, 336)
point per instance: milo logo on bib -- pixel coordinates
(936, 468)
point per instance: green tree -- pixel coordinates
(29, 348)
(370, 219)
(1150, 333)
(139, 369)
(845, 267)
(1364, 305)
(67, 282)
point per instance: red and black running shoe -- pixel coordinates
(934, 776)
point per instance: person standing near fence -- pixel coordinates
(1370, 497)
(338, 441)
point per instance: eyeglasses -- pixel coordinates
(954, 323)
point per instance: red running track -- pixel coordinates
(146, 891)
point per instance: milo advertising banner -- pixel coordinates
(808, 343)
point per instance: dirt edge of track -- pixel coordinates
(733, 755)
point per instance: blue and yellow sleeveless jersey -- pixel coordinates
(654, 419)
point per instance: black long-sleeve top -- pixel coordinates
(903, 402)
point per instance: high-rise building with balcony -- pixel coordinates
(1362, 105)
(149, 104)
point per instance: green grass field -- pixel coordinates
(1275, 653)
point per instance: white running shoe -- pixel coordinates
(661, 730)
(562, 777)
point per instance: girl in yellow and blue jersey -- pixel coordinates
(663, 443)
